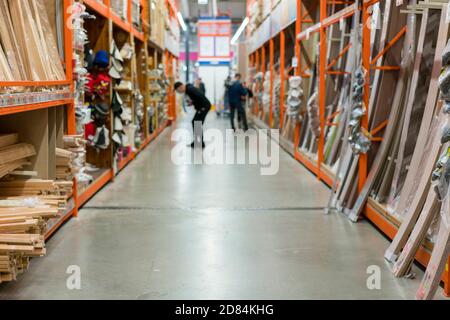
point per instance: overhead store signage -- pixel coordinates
(214, 35)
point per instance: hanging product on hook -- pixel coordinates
(358, 139)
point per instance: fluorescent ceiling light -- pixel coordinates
(240, 30)
(202, 1)
(181, 20)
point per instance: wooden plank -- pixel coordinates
(10, 44)
(429, 211)
(422, 184)
(412, 92)
(4, 248)
(8, 139)
(11, 166)
(439, 256)
(413, 200)
(16, 152)
(399, 203)
(395, 114)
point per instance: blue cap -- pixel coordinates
(102, 59)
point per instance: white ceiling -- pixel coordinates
(192, 10)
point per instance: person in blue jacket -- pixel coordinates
(236, 94)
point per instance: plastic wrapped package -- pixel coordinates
(295, 97)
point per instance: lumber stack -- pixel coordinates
(22, 232)
(26, 206)
(64, 164)
(28, 49)
(34, 188)
(76, 144)
(13, 155)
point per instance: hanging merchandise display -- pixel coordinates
(139, 104)
(76, 144)
(276, 98)
(358, 139)
(259, 89)
(295, 97)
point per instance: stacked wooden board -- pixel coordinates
(40, 189)
(25, 206)
(13, 154)
(22, 227)
(64, 164)
(76, 145)
(28, 49)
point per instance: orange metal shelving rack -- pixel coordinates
(257, 60)
(103, 9)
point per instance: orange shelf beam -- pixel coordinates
(125, 161)
(34, 83)
(282, 76)
(125, 26)
(138, 34)
(271, 67)
(98, 7)
(34, 106)
(423, 255)
(322, 86)
(94, 187)
(306, 162)
(66, 216)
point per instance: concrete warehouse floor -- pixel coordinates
(162, 231)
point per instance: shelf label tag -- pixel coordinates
(294, 62)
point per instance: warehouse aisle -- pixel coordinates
(210, 232)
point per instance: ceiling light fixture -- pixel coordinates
(240, 30)
(181, 20)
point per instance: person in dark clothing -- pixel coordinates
(200, 85)
(249, 91)
(236, 94)
(201, 105)
(226, 102)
